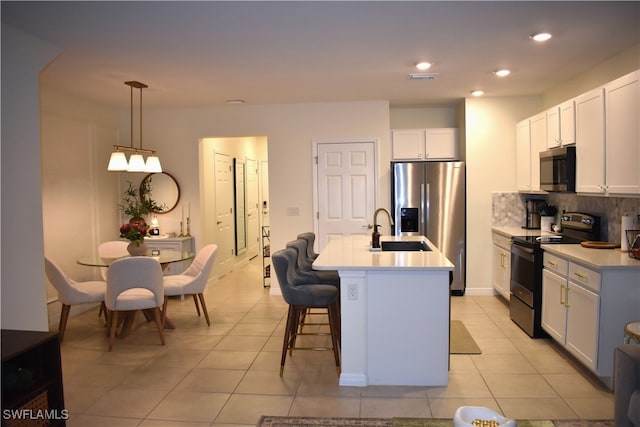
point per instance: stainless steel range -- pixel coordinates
(525, 303)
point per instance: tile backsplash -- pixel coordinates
(508, 209)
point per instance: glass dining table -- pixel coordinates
(163, 257)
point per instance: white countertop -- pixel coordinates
(353, 253)
(595, 258)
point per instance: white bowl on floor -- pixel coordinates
(465, 415)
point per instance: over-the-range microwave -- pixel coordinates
(558, 169)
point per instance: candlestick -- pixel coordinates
(188, 228)
(189, 213)
(181, 234)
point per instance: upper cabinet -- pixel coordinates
(561, 125)
(607, 138)
(523, 155)
(425, 144)
(538, 132)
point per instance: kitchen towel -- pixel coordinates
(627, 224)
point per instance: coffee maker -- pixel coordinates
(532, 212)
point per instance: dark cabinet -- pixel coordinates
(32, 391)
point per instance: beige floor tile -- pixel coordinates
(461, 385)
(211, 380)
(322, 406)
(573, 385)
(153, 378)
(264, 329)
(189, 406)
(503, 364)
(519, 386)
(241, 343)
(549, 362)
(126, 402)
(228, 360)
(81, 420)
(248, 408)
(78, 398)
(98, 376)
(269, 382)
(446, 408)
(324, 381)
(536, 409)
(462, 363)
(593, 408)
(388, 407)
(393, 391)
(493, 345)
(177, 358)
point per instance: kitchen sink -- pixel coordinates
(404, 246)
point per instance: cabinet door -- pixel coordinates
(538, 144)
(567, 123)
(408, 144)
(501, 270)
(441, 144)
(622, 97)
(590, 142)
(553, 305)
(582, 324)
(523, 156)
(553, 127)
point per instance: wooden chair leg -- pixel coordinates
(64, 316)
(204, 308)
(164, 311)
(195, 301)
(103, 310)
(298, 312)
(287, 336)
(333, 325)
(113, 317)
(157, 316)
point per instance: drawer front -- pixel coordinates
(557, 265)
(502, 241)
(588, 278)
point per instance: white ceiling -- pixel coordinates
(203, 53)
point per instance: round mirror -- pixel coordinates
(162, 189)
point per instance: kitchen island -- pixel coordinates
(394, 312)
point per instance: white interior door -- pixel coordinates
(253, 208)
(224, 213)
(346, 188)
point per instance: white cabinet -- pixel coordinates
(173, 244)
(425, 144)
(561, 125)
(570, 311)
(538, 133)
(523, 156)
(607, 134)
(622, 134)
(501, 264)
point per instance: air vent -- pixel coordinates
(423, 76)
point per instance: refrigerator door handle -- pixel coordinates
(424, 207)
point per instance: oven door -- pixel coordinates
(524, 274)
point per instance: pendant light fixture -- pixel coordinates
(136, 163)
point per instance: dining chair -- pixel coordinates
(112, 249)
(71, 292)
(134, 283)
(192, 281)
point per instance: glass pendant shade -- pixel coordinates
(136, 163)
(117, 162)
(153, 165)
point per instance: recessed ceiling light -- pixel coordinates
(477, 92)
(235, 101)
(423, 66)
(540, 37)
(502, 73)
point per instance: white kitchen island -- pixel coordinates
(394, 312)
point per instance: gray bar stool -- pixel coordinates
(300, 298)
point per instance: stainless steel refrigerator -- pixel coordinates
(428, 199)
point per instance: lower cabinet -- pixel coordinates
(501, 264)
(585, 309)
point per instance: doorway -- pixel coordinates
(227, 193)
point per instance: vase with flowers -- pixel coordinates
(135, 232)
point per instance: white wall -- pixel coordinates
(22, 276)
(490, 153)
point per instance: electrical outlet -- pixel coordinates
(352, 291)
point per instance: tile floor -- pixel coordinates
(228, 374)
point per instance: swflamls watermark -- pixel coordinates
(35, 414)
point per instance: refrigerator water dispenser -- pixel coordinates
(409, 220)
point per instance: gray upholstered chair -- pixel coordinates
(311, 239)
(626, 385)
(300, 298)
(306, 273)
